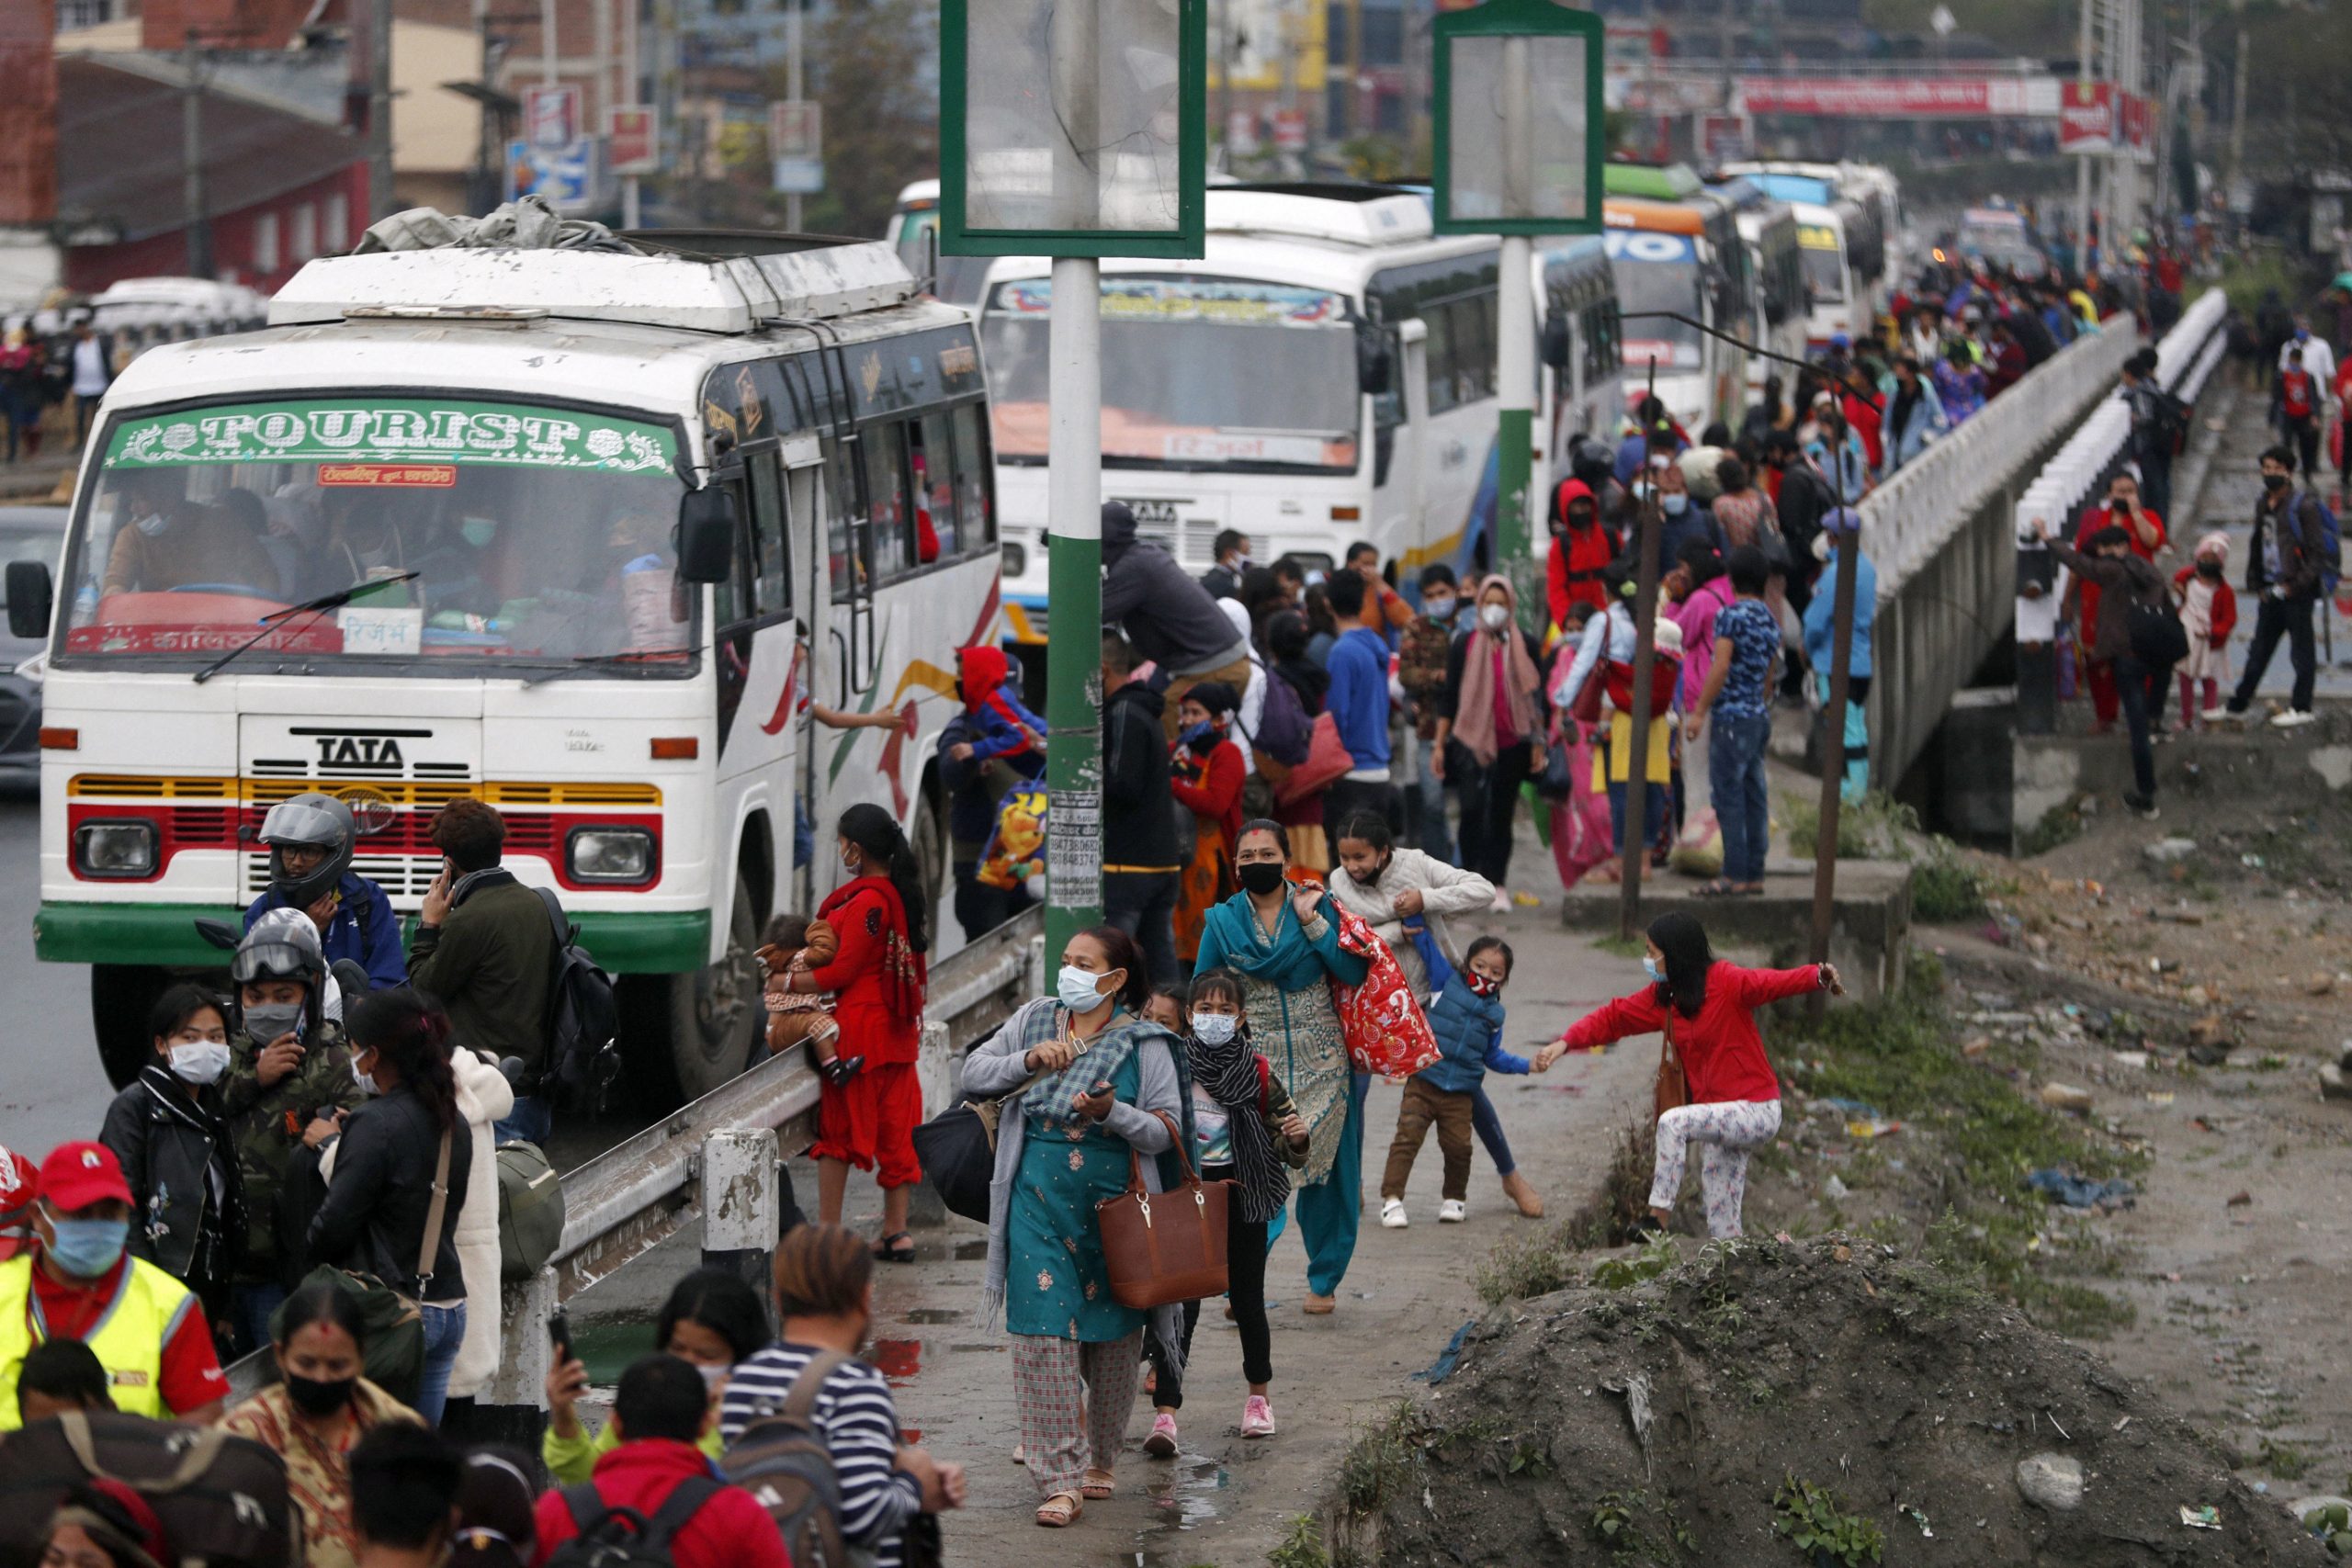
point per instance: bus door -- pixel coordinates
(759, 669)
(806, 504)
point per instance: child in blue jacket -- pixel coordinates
(1467, 1019)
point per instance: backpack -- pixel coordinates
(623, 1537)
(2331, 544)
(2158, 639)
(530, 1209)
(2171, 419)
(581, 1019)
(782, 1460)
(223, 1499)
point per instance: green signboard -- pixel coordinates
(393, 430)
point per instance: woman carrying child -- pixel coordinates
(1246, 1131)
(794, 944)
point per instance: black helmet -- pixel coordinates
(311, 822)
(1592, 462)
(282, 945)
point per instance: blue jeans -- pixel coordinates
(249, 1306)
(1489, 1128)
(445, 1330)
(1436, 837)
(1736, 780)
(1653, 813)
(531, 1120)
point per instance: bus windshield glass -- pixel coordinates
(1197, 373)
(540, 536)
(1669, 282)
(1824, 268)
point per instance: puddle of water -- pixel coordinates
(935, 1314)
(1188, 1500)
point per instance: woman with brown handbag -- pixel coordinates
(1707, 1009)
(1084, 1079)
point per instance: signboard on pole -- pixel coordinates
(1290, 130)
(796, 143)
(552, 115)
(2086, 117)
(1241, 133)
(633, 139)
(571, 178)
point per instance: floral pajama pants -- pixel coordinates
(1075, 1399)
(1730, 1130)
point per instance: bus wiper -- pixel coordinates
(602, 661)
(319, 606)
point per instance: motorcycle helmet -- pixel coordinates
(308, 821)
(282, 945)
(1592, 462)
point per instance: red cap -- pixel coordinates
(75, 1175)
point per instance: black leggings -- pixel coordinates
(1245, 1264)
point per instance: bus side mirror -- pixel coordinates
(705, 535)
(1554, 347)
(30, 598)
(1375, 366)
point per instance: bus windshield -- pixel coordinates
(1197, 373)
(1660, 285)
(538, 536)
(1825, 272)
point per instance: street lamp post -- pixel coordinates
(1076, 130)
(1518, 143)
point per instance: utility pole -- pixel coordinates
(547, 42)
(795, 85)
(200, 232)
(2083, 160)
(1515, 334)
(2237, 107)
(1833, 769)
(632, 96)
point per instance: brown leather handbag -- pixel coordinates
(1160, 1248)
(1672, 1088)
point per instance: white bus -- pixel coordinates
(1325, 373)
(627, 492)
(1583, 346)
(1836, 292)
(913, 232)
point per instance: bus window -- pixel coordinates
(975, 528)
(1442, 350)
(935, 482)
(890, 523)
(771, 566)
(842, 541)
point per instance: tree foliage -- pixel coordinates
(878, 67)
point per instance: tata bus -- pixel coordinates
(1325, 373)
(579, 534)
(1666, 263)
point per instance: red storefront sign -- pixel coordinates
(2086, 117)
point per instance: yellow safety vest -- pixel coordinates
(129, 1339)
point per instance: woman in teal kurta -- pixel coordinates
(1285, 939)
(1086, 1079)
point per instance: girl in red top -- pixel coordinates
(1205, 775)
(1734, 1099)
(868, 1121)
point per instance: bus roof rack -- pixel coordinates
(1348, 214)
(700, 281)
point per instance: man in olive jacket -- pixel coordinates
(485, 948)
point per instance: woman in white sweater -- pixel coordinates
(1389, 886)
(484, 1097)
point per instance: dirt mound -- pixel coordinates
(1824, 1390)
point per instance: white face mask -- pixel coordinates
(1214, 1028)
(200, 1061)
(1494, 617)
(714, 1377)
(366, 1085)
(1079, 989)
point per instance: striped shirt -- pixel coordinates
(860, 1425)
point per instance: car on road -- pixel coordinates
(26, 533)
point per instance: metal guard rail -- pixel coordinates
(630, 1198)
(1913, 515)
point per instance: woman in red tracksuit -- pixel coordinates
(878, 976)
(1734, 1099)
(1581, 546)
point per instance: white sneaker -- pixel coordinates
(1501, 905)
(1450, 1211)
(2217, 713)
(1392, 1215)
(2294, 718)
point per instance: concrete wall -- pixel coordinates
(2051, 771)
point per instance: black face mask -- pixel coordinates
(2274, 481)
(2209, 569)
(317, 1397)
(1261, 877)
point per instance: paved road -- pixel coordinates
(51, 1086)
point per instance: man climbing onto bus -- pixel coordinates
(1170, 618)
(311, 839)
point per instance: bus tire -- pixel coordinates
(121, 995)
(715, 1012)
(929, 842)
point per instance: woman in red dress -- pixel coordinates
(879, 976)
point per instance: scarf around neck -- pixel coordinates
(1474, 714)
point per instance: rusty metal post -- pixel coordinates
(1833, 761)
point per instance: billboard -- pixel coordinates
(2086, 117)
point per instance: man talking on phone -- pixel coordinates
(485, 947)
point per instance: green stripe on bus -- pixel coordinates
(624, 943)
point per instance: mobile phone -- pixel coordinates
(560, 1334)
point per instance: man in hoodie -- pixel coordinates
(1582, 546)
(1170, 618)
(1140, 864)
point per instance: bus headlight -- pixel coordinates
(609, 855)
(1015, 557)
(120, 846)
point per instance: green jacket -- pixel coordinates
(267, 1126)
(491, 963)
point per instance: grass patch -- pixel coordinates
(1896, 1056)
(2059, 825)
(1301, 1546)
(1816, 1520)
(1944, 887)
(1632, 1528)
(1621, 946)
(1383, 1462)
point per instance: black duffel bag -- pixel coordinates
(223, 1500)
(956, 1149)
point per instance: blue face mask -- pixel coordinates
(1674, 505)
(1194, 734)
(1651, 968)
(88, 1249)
